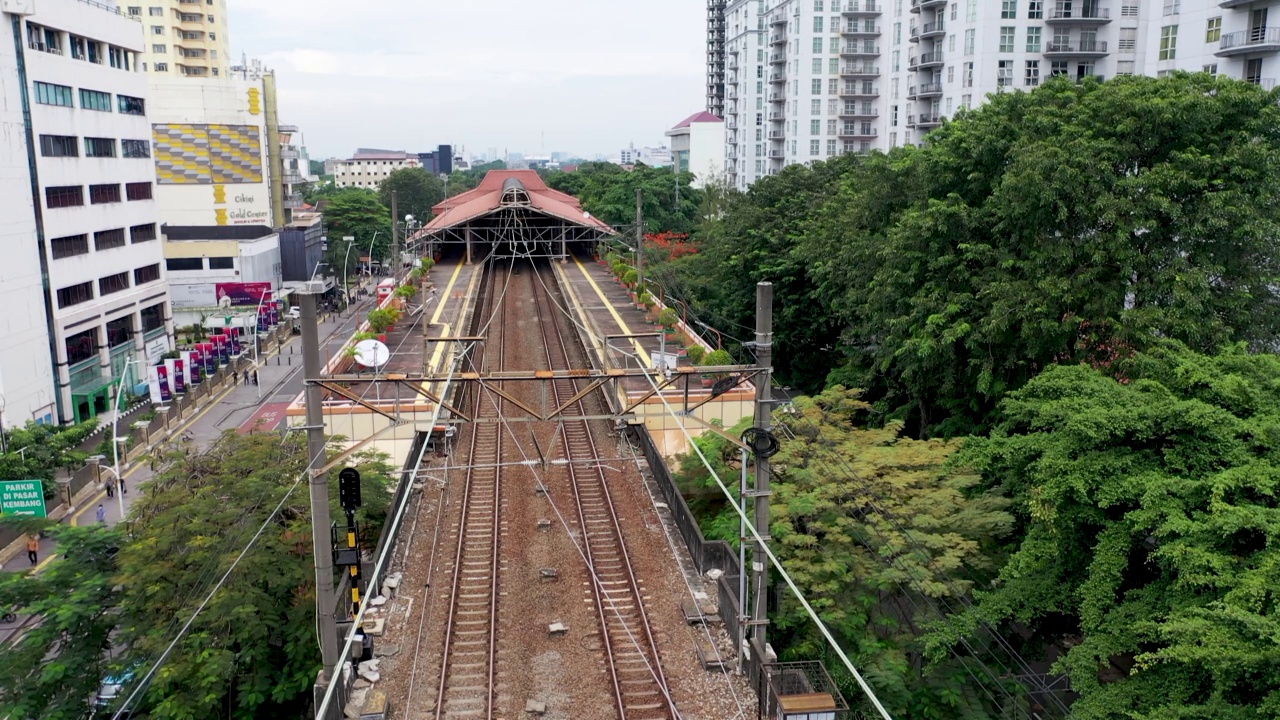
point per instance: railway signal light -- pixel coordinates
(349, 488)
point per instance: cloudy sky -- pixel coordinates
(584, 76)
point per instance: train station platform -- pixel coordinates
(389, 414)
(620, 335)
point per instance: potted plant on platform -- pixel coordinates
(668, 319)
(406, 291)
(644, 300)
(696, 353)
(715, 357)
(381, 320)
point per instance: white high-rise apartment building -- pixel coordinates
(809, 79)
(184, 38)
(86, 219)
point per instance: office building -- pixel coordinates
(715, 57)
(183, 38)
(86, 218)
(367, 168)
(806, 80)
(438, 162)
(697, 146)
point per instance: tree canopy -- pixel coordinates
(417, 191)
(608, 191)
(358, 213)
(1077, 222)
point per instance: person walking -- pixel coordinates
(101, 514)
(111, 487)
(255, 377)
(33, 549)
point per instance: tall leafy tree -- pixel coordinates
(417, 191)
(358, 213)
(1147, 530)
(608, 191)
(53, 670)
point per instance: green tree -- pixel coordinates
(1147, 531)
(608, 192)
(53, 671)
(358, 213)
(253, 652)
(417, 191)
(40, 451)
(461, 181)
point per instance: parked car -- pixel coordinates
(112, 687)
(295, 312)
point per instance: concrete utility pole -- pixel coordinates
(395, 239)
(320, 539)
(639, 241)
(764, 421)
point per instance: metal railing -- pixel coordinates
(1082, 14)
(1247, 38)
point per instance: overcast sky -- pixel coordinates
(589, 75)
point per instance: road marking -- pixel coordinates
(435, 318)
(617, 318)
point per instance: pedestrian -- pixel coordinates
(33, 549)
(124, 490)
(246, 377)
(101, 514)
(255, 377)
(111, 487)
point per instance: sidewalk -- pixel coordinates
(235, 405)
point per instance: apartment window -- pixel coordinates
(75, 294)
(59, 146)
(144, 275)
(1035, 9)
(210, 18)
(1033, 39)
(1009, 9)
(831, 147)
(951, 73)
(817, 66)
(815, 127)
(1004, 73)
(1006, 39)
(833, 66)
(136, 148)
(161, 49)
(99, 194)
(967, 79)
(137, 191)
(1213, 32)
(817, 23)
(1168, 42)
(65, 247)
(1253, 70)
(214, 36)
(831, 127)
(63, 196)
(1211, 69)
(135, 10)
(152, 317)
(954, 7)
(815, 107)
(77, 47)
(817, 45)
(1129, 9)
(968, 42)
(131, 105)
(113, 283)
(222, 263)
(49, 94)
(108, 239)
(815, 148)
(155, 12)
(1128, 40)
(966, 101)
(1172, 7)
(142, 233)
(1058, 67)
(971, 11)
(897, 33)
(833, 86)
(157, 29)
(162, 67)
(893, 116)
(1124, 67)
(95, 100)
(99, 147)
(817, 5)
(184, 264)
(1031, 76)
(815, 86)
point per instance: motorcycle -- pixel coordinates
(8, 618)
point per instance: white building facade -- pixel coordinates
(697, 146)
(809, 79)
(367, 169)
(88, 143)
(184, 38)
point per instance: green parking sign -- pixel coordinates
(22, 497)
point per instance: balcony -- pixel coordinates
(1082, 16)
(856, 50)
(858, 92)
(861, 7)
(291, 177)
(928, 90)
(775, 154)
(289, 152)
(777, 97)
(1234, 3)
(925, 60)
(1257, 40)
(857, 30)
(777, 77)
(287, 128)
(778, 39)
(1086, 48)
(928, 30)
(293, 202)
(856, 132)
(777, 116)
(859, 71)
(918, 5)
(778, 58)
(775, 135)
(778, 19)
(859, 112)
(927, 122)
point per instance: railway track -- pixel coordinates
(468, 666)
(631, 654)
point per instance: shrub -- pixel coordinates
(696, 353)
(668, 318)
(718, 357)
(406, 291)
(630, 277)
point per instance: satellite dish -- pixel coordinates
(372, 353)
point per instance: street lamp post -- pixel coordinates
(115, 433)
(346, 291)
(257, 349)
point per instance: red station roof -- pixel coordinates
(487, 198)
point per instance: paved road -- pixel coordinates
(280, 381)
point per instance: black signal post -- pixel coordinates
(349, 499)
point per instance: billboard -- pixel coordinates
(242, 293)
(22, 497)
